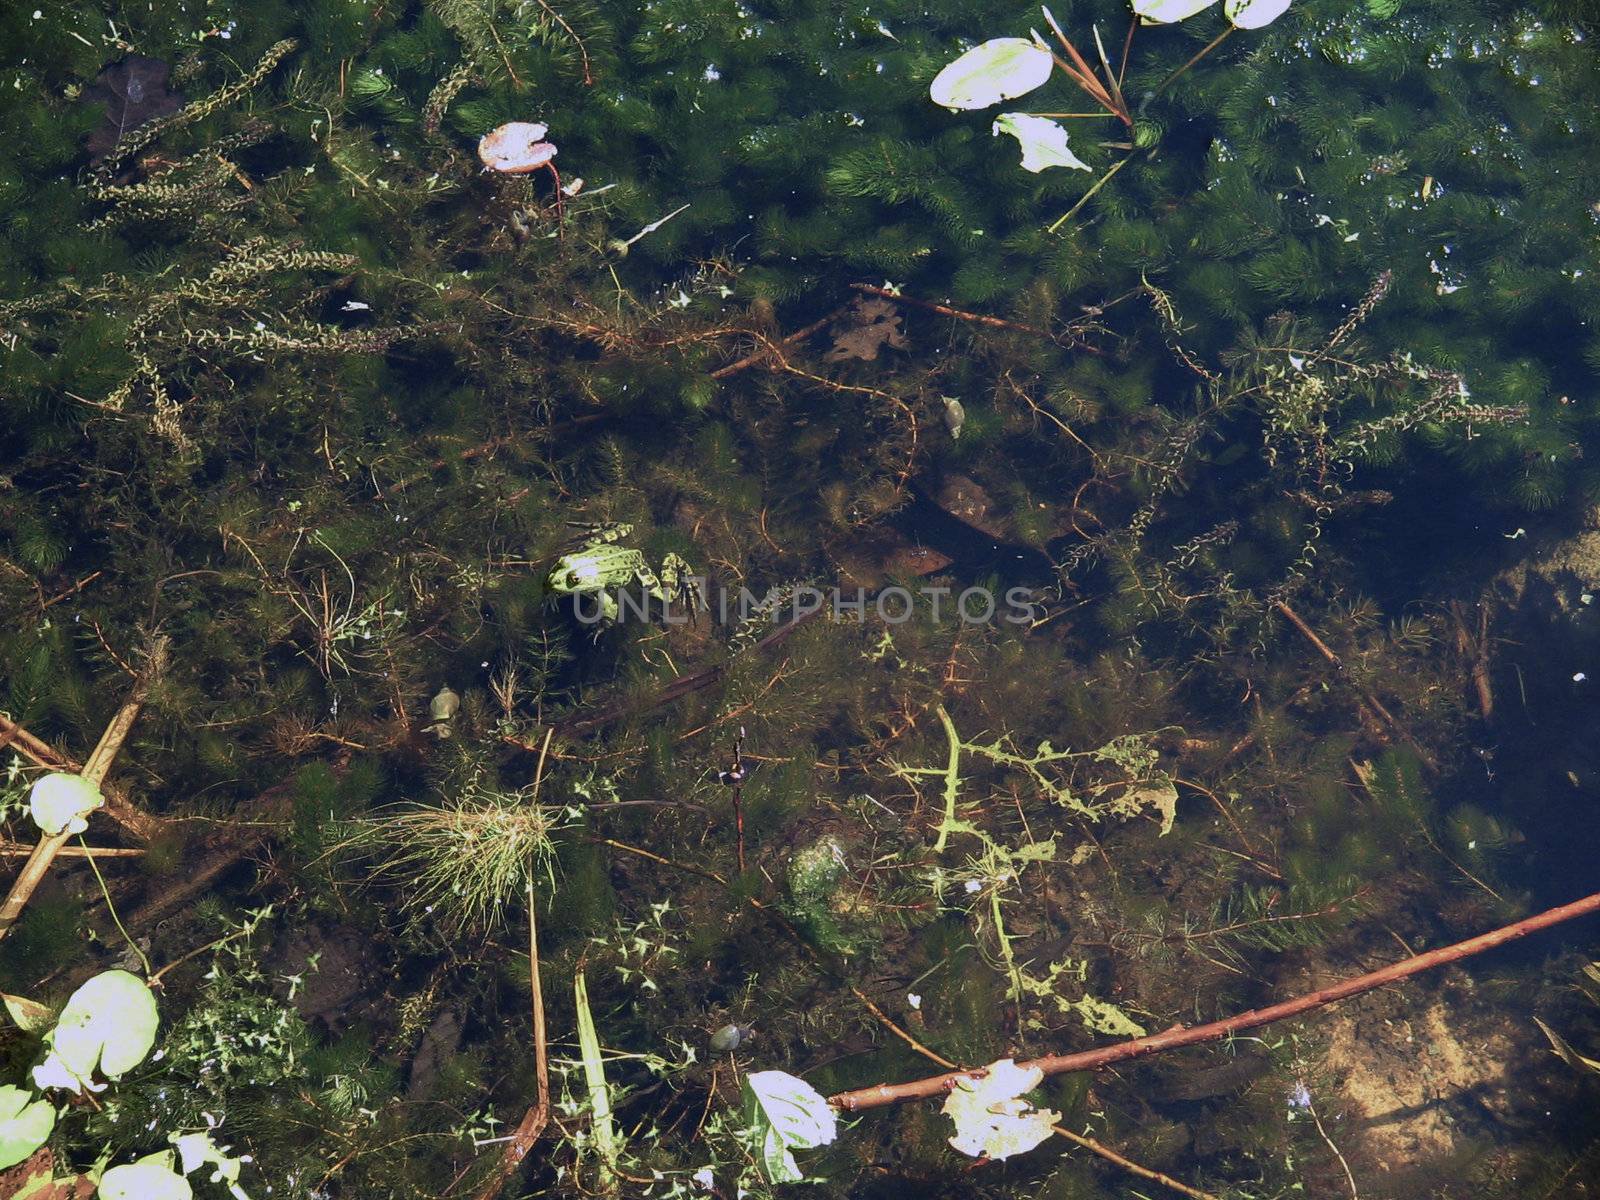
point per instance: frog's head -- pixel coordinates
(574, 573)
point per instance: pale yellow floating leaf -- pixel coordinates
(1165, 12)
(1000, 69)
(1043, 141)
(992, 1119)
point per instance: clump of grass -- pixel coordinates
(465, 859)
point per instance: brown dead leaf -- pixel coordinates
(871, 324)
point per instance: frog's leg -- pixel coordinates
(677, 576)
(608, 609)
(603, 534)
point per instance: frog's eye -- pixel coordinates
(572, 579)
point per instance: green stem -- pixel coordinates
(1084, 199)
(952, 780)
(112, 908)
(1204, 50)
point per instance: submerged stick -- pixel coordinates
(1090, 1060)
(1365, 693)
(94, 771)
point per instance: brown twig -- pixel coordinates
(798, 335)
(1475, 649)
(135, 822)
(1366, 694)
(538, 1116)
(885, 1094)
(94, 771)
(946, 311)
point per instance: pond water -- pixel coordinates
(636, 581)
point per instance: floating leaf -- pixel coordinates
(30, 1015)
(60, 801)
(787, 1114)
(1164, 12)
(1102, 1016)
(1253, 14)
(109, 1022)
(1000, 69)
(1044, 142)
(1162, 797)
(24, 1125)
(151, 1178)
(196, 1150)
(515, 148)
(992, 1120)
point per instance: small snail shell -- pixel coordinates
(954, 416)
(730, 1037)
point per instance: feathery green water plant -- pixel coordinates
(463, 861)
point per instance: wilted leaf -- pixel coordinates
(1563, 1048)
(1162, 797)
(1102, 1016)
(109, 1022)
(30, 1015)
(787, 1114)
(873, 323)
(24, 1125)
(134, 91)
(991, 1118)
(1164, 12)
(59, 801)
(1000, 69)
(1044, 142)
(1253, 14)
(35, 1179)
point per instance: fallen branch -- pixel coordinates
(94, 771)
(135, 822)
(1090, 1060)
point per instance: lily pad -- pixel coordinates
(1000, 69)
(1165, 12)
(992, 1120)
(110, 1022)
(150, 1178)
(24, 1125)
(1043, 141)
(787, 1114)
(61, 802)
(1253, 14)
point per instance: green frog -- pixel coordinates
(598, 566)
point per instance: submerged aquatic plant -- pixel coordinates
(462, 860)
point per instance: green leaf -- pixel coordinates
(1000, 69)
(151, 1178)
(992, 1120)
(594, 1076)
(1043, 141)
(30, 1015)
(1165, 12)
(24, 1126)
(1253, 14)
(109, 1022)
(786, 1114)
(60, 802)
